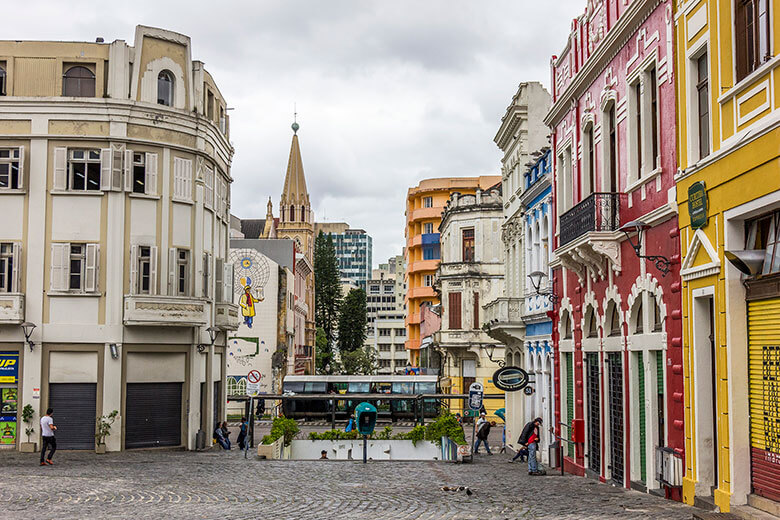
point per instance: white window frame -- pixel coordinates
(11, 251)
(425, 227)
(427, 202)
(206, 273)
(147, 161)
(175, 262)
(65, 159)
(208, 183)
(182, 179)
(60, 269)
(693, 53)
(15, 157)
(137, 261)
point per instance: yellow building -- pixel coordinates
(727, 190)
(424, 205)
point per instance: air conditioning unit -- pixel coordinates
(668, 467)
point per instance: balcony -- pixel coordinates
(304, 352)
(425, 213)
(165, 311)
(11, 308)
(421, 292)
(503, 319)
(227, 316)
(424, 265)
(589, 239)
(460, 338)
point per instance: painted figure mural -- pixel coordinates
(251, 275)
(247, 302)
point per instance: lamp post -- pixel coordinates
(28, 328)
(536, 282)
(637, 226)
(213, 331)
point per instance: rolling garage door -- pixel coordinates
(764, 382)
(153, 415)
(74, 407)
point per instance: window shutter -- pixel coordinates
(219, 272)
(133, 269)
(476, 310)
(117, 167)
(741, 38)
(16, 278)
(59, 266)
(21, 167)
(153, 270)
(209, 191)
(91, 269)
(171, 271)
(227, 280)
(187, 183)
(454, 310)
(206, 274)
(151, 174)
(60, 168)
(106, 163)
(128, 170)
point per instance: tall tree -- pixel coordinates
(352, 322)
(327, 294)
(359, 362)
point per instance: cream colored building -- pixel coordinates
(471, 272)
(117, 217)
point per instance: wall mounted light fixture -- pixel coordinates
(213, 331)
(536, 281)
(637, 226)
(27, 328)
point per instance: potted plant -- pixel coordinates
(27, 416)
(103, 430)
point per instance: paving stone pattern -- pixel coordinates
(219, 484)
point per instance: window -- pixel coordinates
(654, 118)
(389, 289)
(592, 328)
(454, 310)
(657, 321)
(384, 363)
(613, 320)
(384, 348)
(145, 270)
(10, 257)
(590, 164)
(612, 149)
(566, 322)
(428, 227)
(427, 202)
(165, 88)
(428, 280)
(209, 104)
(182, 272)
(2, 79)
(292, 213)
(74, 267)
(476, 310)
(468, 244)
(762, 233)
(11, 168)
(703, 102)
(384, 332)
(182, 179)
(752, 35)
(373, 289)
(206, 275)
(637, 98)
(401, 347)
(139, 173)
(208, 181)
(640, 325)
(78, 81)
(84, 170)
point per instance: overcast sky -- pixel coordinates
(388, 92)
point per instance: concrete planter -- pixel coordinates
(100, 449)
(271, 451)
(28, 447)
(376, 450)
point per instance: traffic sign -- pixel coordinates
(253, 389)
(475, 396)
(253, 376)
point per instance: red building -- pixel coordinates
(617, 325)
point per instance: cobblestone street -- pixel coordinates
(216, 484)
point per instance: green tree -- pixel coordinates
(327, 294)
(352, 322)
(359, 362)
(326, 361)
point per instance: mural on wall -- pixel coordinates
(251, 274)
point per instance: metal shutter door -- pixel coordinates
(764, 386)
(153, 415)
(594, 413)
(615, 392)
(74, 407)
(570, 399)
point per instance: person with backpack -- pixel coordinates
(482, 436)
(529, 438)
(351, 424)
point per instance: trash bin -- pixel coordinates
(555, 452)
(200, 440)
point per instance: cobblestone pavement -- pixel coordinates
(217, 484)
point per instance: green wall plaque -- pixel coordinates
(697, 205)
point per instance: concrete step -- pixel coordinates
(706, 503)
(764, 504)
(751, 513)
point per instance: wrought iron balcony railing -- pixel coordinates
(598, 212)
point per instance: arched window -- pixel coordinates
(613, 320)
(165, 88)
(2, 81)
(590, 321)
(657, 321)
(292, 213)
(639, 328)
(78, 82)
(303, 213)
(566, 319)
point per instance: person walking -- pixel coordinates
(47, 434)
(242, 430)
(350, 424)
(482, 437)
(529, 438)
(482, 420)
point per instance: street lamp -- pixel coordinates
(536, 282)
(213, 331)
(27, 328)
(637, 226)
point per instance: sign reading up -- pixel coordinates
(697, 205)
(9, 367)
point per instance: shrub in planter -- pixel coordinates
(445, 425)
(103, 430)
(282, 427)
(27, 416)
(333, 435)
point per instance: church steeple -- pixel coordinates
(294, 203)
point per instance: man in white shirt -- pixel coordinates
(47, 435)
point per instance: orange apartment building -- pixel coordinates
(424, 205)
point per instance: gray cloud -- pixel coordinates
(388, 93)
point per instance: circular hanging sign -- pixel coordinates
(528, 390)
(510, 379)
(253, 376)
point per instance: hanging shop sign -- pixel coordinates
(9, 368)
(510, 379)
(697, 205)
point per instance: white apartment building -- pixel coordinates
(386, 332)
(115, 220)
